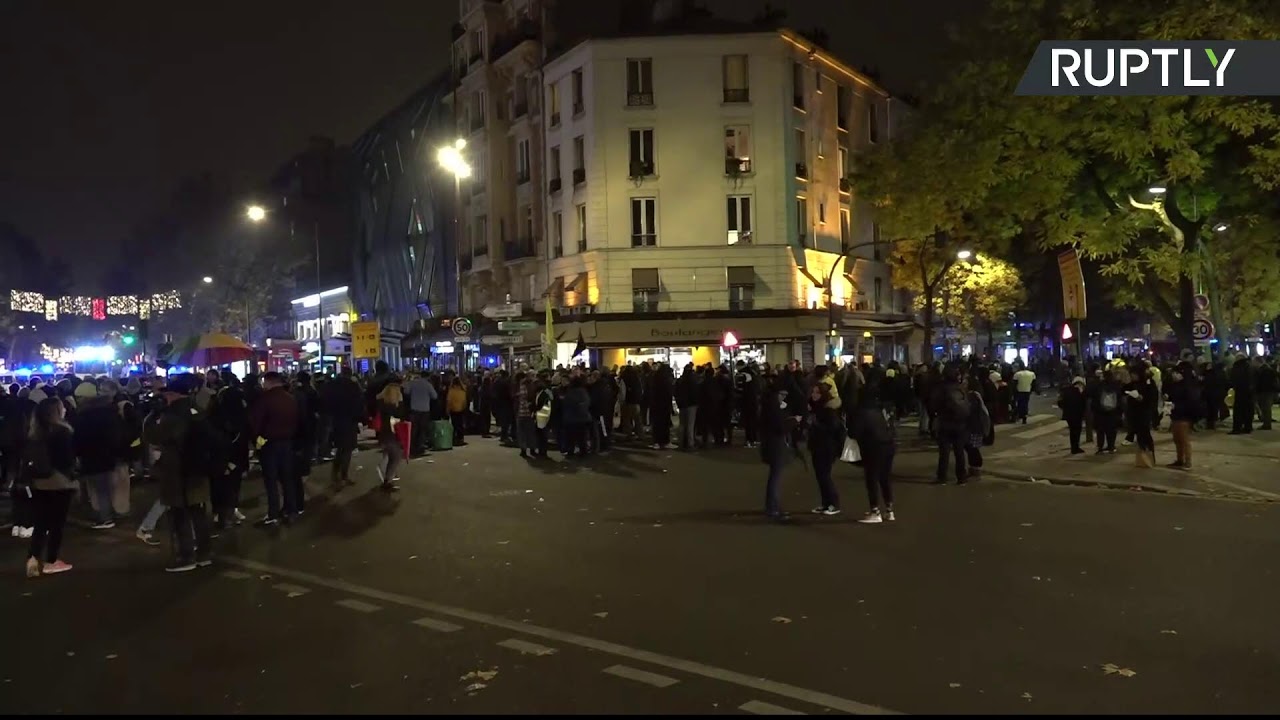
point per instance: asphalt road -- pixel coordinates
(648, 582)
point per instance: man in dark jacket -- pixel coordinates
(1072, 401)
(1264, 376)
(951, 410)
(181, 434)
(601, 387)
(304, 442)
(274, 419)
(747, 399)
(229, 417)
(346, 410)
(1243, 408)
(686, 393)
(98, 434)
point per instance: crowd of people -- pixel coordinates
(199, 435)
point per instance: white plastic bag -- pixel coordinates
(852, 453)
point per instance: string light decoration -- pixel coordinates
(122, 305)
(76, 305)
(99, 309)
(51, 310)
(162, 301)
(144, 309)
(21, 301)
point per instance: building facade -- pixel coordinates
(702, 189)
(402, 254)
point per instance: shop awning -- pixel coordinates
(876, 326)
(742, 275)
(579, 284)
(644, 279)
(816, 282)
(555, 289)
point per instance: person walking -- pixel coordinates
(98, 434)
(273, 418)
(1140, 408)
(1265, 382)
(456, 405)
(1073, 403)
(187, 456)
(978, 426)
(826, 440)
(951, 425)
(391, 408)
(877, 443)
(777, 420)
(1186, 397)
(1024, 382)
(345, 406)
(48, 462)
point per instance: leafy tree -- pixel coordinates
(1093, 158)
(983, 292)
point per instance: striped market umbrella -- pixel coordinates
(209, 350)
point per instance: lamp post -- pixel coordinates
(450, 158)
(257, 214)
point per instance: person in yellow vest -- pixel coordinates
(456, 404)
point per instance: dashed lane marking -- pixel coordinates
(525, 647)
(292, 590)
(235, 575)
(643, 676)
(755, 707)
(437, 625)
(1036, 432)
(811, 697)
(358, 605)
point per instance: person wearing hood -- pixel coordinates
(1072, 402)
(686, 394)
(99, 433)
(660, 398)
(183, 437)
(777, 423)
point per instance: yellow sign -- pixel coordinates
(1074, 305)
(366, 340)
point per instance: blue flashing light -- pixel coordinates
(23, 372)
(46, 368)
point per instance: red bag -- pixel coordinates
(404, 433)
(375, 422)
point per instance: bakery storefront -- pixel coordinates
(680, 340)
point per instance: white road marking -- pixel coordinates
(437, 625)
(1036, 432)
(526, 647)
(292, 590)
(358, 605)
(812, 697)
(643, 676)
(235, 575)
(755, 707)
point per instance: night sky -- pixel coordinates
(106, 105)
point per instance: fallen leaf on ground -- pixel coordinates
(782, 620)
(1168, 632)
(1028, 524)
(413, 557)
(1035, 577)
(112, 656)
(528, 491)
(953, 685)
(71, 653)
(485, 675)
(1113, 669)
(356, 685)
(1175, 527)
(657, 524)
(503, 542)
(1026, 696)
(473, 687)
(601, 614)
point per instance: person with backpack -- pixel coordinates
(1106, 412)
(1072, 402)
(951, 410)
(48, 462)
(979, 425)
(187, 456)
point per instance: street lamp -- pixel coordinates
(1220, 227)
(1157, 189)
(964, 254)
(256, 213)
(206, 280)
(450, 158)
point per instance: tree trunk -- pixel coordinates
(991, 339)
(926, 349)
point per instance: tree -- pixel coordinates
(921, 267)
(1252, 295)
(984, 291)
(1094, 158)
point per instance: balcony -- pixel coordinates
(577, 108)
(554, 185)
(518, 249)
(845, 186)
(797, 101)
(582, 245)
(526, 30)
(579, 176)
(555, 119)
(737, 166)
(464, 262)
(480, 250)
(519, 110)
(640, 169)
(644, 239)
(737, 95)
(635, 99)
(522, 177)
(742, 304)
(557, 250)
(802, 171)
(477, 123)
(644, 306)
(475, 59)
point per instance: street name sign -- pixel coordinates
(517, 325)
(501, 339)
(504, 310)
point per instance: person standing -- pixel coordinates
(1024, 382)
(951, 425)
(456, 405)
(979, 425)
(346, 410)
(421, 396)
(826, 439)
(1140, 409)
(1265, 382)
(390, 408)
(1185, 395)
(686, 395)
(877, 443)
(229, 419)
(183, 437)
(1107, 406)
(1073, 403)
(776, 422)
(1242, 410)
(48, 462)
(304, 442)
(274, 419)
(660, 399)
(98, 433)
(746, 383)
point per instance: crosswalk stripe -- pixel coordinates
(437, 625)
(358, 605)
(292, 590)
(643, 676)
(525, 647)
(755, 707)
(1036, 432)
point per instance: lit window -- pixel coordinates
(582, 227)
(641, 153)
(739, 207)
(639, 82)
(644, 222)
(557, 234)
(737, 150)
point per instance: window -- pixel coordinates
(582, 227)
(554, 170)
(557, 234)
(480, 236)
(579, 161)
(846, 235)
(522, 162)
(577, 91)
(737, 150)
(802, 155)
(842, 107)
(822, 213)
(876, 248)
(817, 81)
(644, 222)
(873, 123)
(739, 219)
(527, 213)
(641, 153)
(842, 161)
(736, 85)
(477, 114)
(553, 103)
(644, 289)
(639, 82)
(742, 286)
(477, 45)
(879, 289)
(802, 219)
(797, 85)
(533, 288)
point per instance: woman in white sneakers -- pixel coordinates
(48, 463)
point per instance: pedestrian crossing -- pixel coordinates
(1038, 426)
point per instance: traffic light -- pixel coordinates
(127, 339)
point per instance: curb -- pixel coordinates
(1108, 484)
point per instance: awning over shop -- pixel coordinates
(555, 289)
(742, 276)
(644, 279)
(578, 285)
(877, 326)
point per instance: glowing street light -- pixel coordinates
(256, 213)
(1220, 227)
(450, 158)
(964, 254)
(206, 280)
(1157, 189)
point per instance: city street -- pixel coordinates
(647, 581)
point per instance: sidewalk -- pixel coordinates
(1241, 467)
